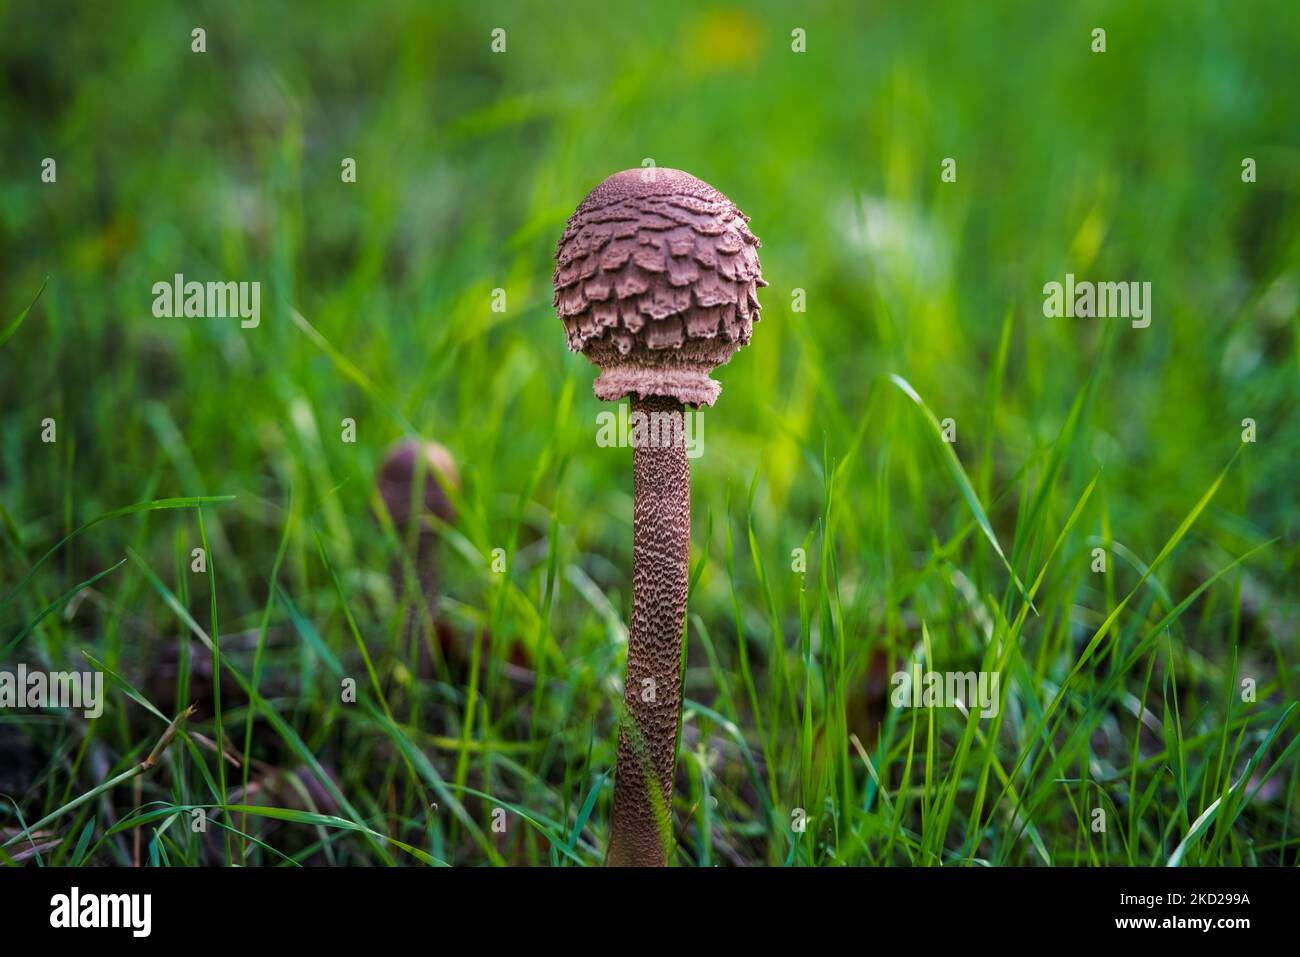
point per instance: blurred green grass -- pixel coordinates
(225, 165)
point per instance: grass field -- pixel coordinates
(1145, 712)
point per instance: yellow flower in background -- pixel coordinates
(722, 39)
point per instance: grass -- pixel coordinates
(837, 536)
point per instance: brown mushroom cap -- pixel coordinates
(656, 281)
(398, 473)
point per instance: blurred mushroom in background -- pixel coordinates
(413, 482)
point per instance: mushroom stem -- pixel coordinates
(422, 611)
(661, 532)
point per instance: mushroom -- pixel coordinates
(656, 282)
(406, 462)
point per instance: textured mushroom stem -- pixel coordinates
(661, 534)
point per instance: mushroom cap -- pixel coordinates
(656, 281)
(398, 473)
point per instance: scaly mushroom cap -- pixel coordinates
(656, 281)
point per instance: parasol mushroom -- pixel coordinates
(406, 462)
(656, 282)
